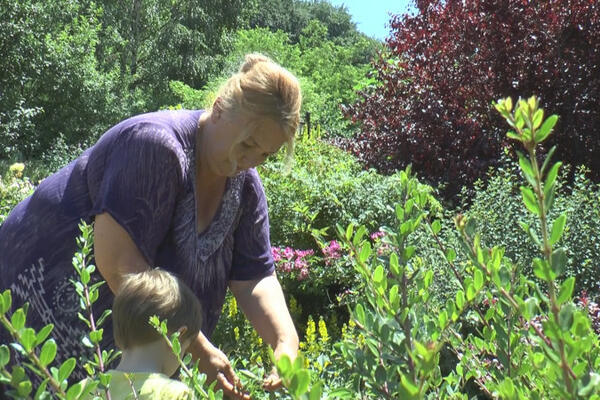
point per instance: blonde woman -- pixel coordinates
(170, 189)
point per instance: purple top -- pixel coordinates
(141, 172)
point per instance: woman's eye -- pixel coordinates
(246, 145)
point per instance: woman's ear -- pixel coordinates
(217, 109)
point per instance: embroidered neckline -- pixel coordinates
(209, 240)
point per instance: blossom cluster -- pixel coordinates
(331, 251)
(288, 260)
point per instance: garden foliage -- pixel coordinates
(512, 336)
(441, 66)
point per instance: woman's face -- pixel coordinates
(231, 152)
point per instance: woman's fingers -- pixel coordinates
(229, 388)
(272, 382)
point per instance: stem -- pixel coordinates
(457, 274)
(88, 305)
(406, 326)
(566, 369)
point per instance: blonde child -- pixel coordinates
(147, 362)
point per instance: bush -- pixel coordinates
(14, 187)
(496, 214)
(444, 64)
(531, 339)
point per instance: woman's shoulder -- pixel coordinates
(166, 127)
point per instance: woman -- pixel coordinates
(174, 189)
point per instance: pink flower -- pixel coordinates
(275, 254)
(303, 274)
(300, 264)
(331, 251)
(286, 267)
(304, 253)
(288, 253)
(377, 235)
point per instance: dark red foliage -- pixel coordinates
(446, 65)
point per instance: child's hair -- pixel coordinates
(153, 292)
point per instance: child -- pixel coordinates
(146, 360)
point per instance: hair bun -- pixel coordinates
(252, 59)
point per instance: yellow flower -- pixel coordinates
(232, 307)
(311, 330)
(323, 330)
(17, 169)
(236, 333)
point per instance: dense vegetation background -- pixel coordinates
(71, 69)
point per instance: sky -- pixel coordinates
(372, 16)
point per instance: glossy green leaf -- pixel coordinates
(450, 255)
(65, 369)
(394, 266)
(526, 168)
(546, 128)
(378, 274)
(300, 382)
(349, 231)
(565, 316)
(530, 200)
(5, 301)
(478, 279)
(18, 319)
(566, 290)
(365, 252)
(359, 313)
(28, 339)
(75, 391)
(443, 319)
(48, 352)
(460, 299)
(557, 228)
(551, 178)
(43, 334)
(436, 227)
(4, 355)
(316, 391)
(537, 119)
(284, 365)
(559, 261)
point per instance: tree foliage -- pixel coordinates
(293, 16)
(444, 64)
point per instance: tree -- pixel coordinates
(444, 66)
(154, 42)
(50, 86)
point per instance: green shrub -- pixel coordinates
(494, 207)
(14, 187)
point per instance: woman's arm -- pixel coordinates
(116, 255)
(115, 252)
(263, 303)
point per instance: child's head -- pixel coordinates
(148, 293)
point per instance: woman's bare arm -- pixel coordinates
(115, 252)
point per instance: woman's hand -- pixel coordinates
(264, 305)
(214, 363)
(273, 381)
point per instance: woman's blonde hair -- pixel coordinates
(263, 89)
(153, 292)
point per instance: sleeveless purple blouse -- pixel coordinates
(141, 171)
